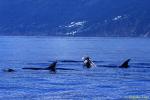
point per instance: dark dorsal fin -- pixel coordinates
(125, 64)
(52, 67)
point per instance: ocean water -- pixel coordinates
(98, 83)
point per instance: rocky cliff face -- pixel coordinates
(75, 18)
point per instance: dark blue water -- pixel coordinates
(100, 83)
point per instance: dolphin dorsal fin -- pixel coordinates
(125, 64)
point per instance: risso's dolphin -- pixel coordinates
(87, 62)
(52, 67)
(125, 64)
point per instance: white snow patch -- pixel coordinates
(75, 24)
(117, 18)
(71, 33)
(73, 27)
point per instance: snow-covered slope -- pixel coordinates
(75, 17)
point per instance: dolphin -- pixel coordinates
(8, 70)
(52, 67)
(125, 64)
(87, 62)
